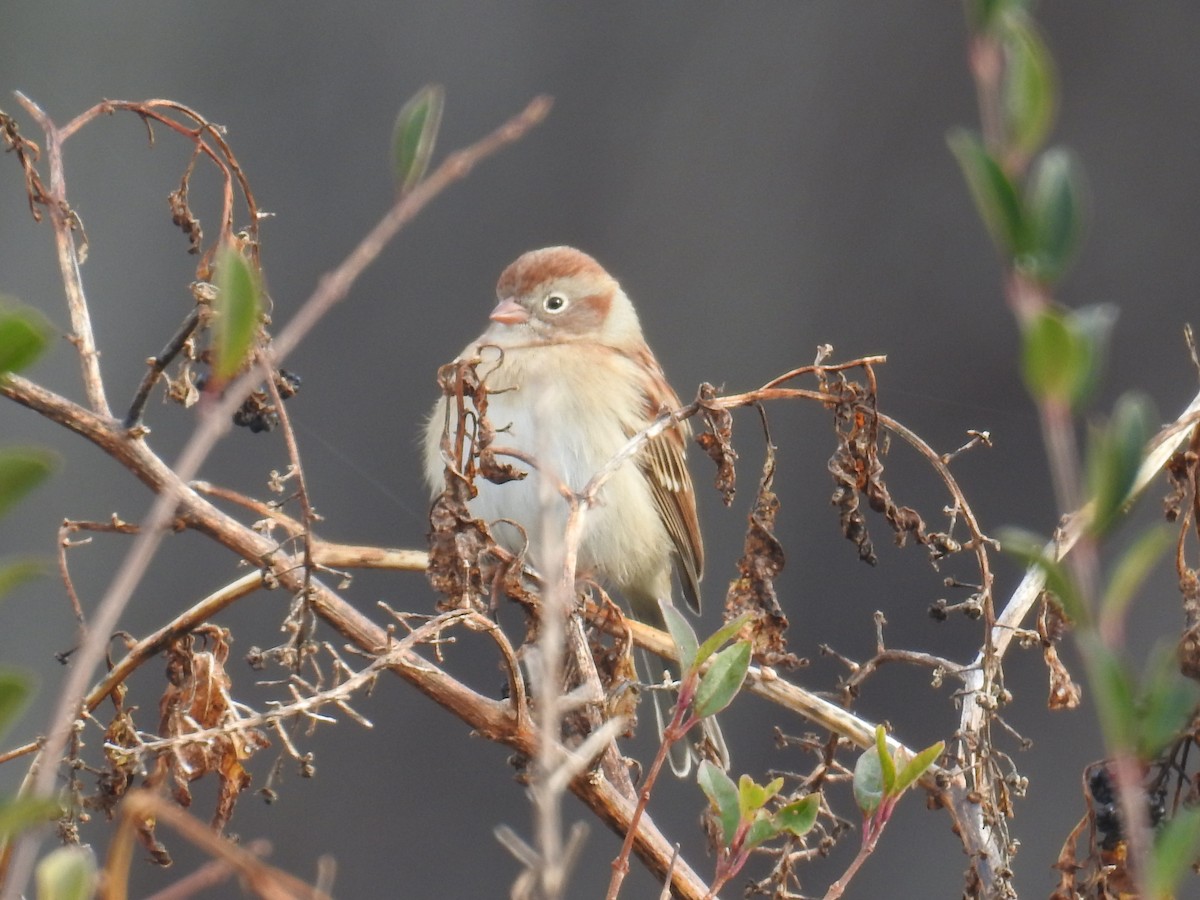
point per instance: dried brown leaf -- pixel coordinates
(717, 442)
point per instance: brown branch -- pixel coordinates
(64, 222)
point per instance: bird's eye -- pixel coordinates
(554, 303)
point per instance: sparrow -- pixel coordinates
(570, 380)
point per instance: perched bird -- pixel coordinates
(573, 382)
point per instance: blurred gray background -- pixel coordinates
(762, 177)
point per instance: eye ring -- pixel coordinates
(554, 303)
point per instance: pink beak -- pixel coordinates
(510, 312)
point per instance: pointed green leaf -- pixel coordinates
(868, 781)
(68, 873)
(912, 771)
(722, 793)
(18, 573)
(415, 134)
(799, 817)
(23, 336)
(681, 631)
(238, 307)
(1133, 567)
(996, 199)
(1030, 87)
(720, 684)
(1055, 209)
(1114, 456)
(725, 633)
(21, 470)
(1175, 849)
(1031, 550)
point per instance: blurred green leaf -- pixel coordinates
(916, 767)
(1114, 457)
(1165, 707)
(726, 632)
(1054, 203)
(722, 793)
(1093, 325)
(681, 632)
(720, 684)
(1175, 849)
(21, 470)
(1030, 87)
(1114, 689)
(1132, 568)
(1031, 550)
(984, 13)
(415, 134)
(799, 817)
(68, 873)
(18, 573)
(23, 336)
(868, 781)
(20, 813)
(238, 306)
(14, 694)
(1055, 359)
(996, 199)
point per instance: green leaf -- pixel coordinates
(238, 306)
(753, 796)
(722, 793)
(983, 14)
(415, 134)
(1132, 568)
(868, 781)
(14, 694)
(887, 765)
(1093, 325)
(720, 636)
(800, 816)
(18, 573)
(917, 766)
(1114, 690)
(1175, 850)
(23, 336)
(995, 196)
(720, 684)
(761, 830)
(68, 873)
(1030, 87)
(1165, 706)
(1055, 209)
(18, 814)
(21, 470)
(681, 632)
(1031, 550)
(1055, 359)
(1114, 457)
